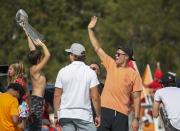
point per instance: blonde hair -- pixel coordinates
(19, 72)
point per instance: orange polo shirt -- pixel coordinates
(120, 83)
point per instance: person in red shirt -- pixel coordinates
(156, 83)
(16, 74)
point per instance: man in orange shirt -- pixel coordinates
(9, 113)
(121, 82)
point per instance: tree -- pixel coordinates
(151, 27)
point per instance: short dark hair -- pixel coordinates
(34, 56)
(170, 85)
(17, 87)
(96, 63)
(82, 57)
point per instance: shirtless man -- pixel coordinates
(38, 81)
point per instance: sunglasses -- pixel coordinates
(118, 54)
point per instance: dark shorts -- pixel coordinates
(112, 120)
(36, 111)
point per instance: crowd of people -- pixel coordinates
(81, 101)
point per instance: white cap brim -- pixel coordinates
(68, 50)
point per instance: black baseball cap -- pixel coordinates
(128, 51)
(168, 78)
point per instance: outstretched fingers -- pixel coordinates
(93, 22)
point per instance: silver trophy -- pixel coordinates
(22, 20)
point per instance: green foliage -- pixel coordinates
(150, 27)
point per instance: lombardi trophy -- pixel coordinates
(22, 20)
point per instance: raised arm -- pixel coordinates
(30, 43)
(46, 56)
(95, 43)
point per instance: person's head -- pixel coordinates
(123, 55)
(45, 125)
(158, 74)
(169, 80)
(34, 56)
(95, 67)
(76, 52)
(16, 90)
(15, 71)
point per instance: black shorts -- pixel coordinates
(36, 111)
(112, 120)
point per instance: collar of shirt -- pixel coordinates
(77, 63)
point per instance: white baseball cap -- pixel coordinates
(76, 49)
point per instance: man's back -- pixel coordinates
(38, 82)
(169, 97)
(8, 107)
(38, 86)
(76, 80)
